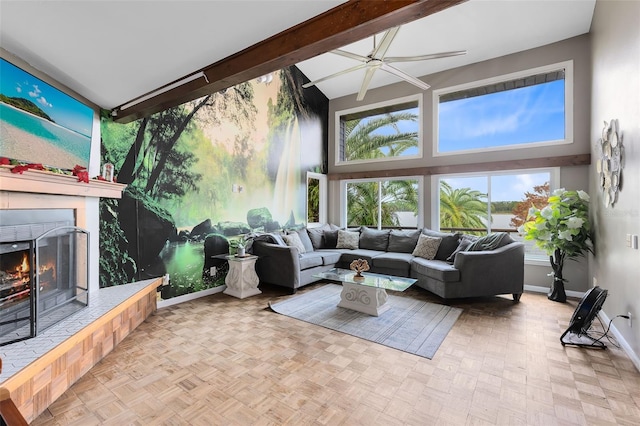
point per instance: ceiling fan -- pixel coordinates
(377, 60)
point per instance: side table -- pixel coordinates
(242, 280)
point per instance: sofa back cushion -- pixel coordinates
(373, 239)
(317, 235)
(305, 240)
(403, 241)
(448, 244)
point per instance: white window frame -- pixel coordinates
(406, 99)
(568, 108)
(323, 203)
(343, 197)
(554, 174)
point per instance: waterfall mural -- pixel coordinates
(206, 172)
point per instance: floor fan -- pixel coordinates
(578, 332)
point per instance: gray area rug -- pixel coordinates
(410, 325)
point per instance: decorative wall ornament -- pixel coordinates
(610, 162)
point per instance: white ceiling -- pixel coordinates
(113, 51)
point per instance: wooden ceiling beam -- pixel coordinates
(338, 27)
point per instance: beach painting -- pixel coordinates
(41, 124)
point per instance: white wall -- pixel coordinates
(615, 67)
(577, 177)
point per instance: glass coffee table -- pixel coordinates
(367, 294)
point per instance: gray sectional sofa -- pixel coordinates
(463, 266)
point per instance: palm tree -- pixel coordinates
(397, 196)
(462, 208)
(365, 138)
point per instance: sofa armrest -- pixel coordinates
(277, 264)
(501, 269)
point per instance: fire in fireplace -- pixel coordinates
(44, 273)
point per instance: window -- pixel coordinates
(532, 108)
(381, 132)
(382, 203)
(316, 199)
(492, 202)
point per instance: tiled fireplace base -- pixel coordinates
(37, 371)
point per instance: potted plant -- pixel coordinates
(562, 230)
(241, 244)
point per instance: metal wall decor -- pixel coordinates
(610, 162)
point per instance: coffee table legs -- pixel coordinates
(369, 300)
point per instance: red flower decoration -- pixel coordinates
(82, 173)
(35, 166)
(4, 161)
(19, 169)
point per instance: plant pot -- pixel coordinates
(240, 252)
(557, 293)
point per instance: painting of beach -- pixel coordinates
(41, 124)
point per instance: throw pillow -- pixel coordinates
(293, 240)
(306, 241)
(448, 244)
(330, 239)
(403, 241)
(373, 239)
(463, 245)
(347, 239)
(491, 242)
(316, 234)
(427, 247)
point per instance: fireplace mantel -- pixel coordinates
(41, 182)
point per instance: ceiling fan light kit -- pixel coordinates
(376, 60)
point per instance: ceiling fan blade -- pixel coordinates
(424, 57)
(365, 83)
(382, 48)
(350, 55)
(348, 70)
(403, 75)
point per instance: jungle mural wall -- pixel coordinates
(207, 172)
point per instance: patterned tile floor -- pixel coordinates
(219, 360)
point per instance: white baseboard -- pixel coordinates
(635, 359)
(539, 289)
(190, 296)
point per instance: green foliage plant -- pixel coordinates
(562, 230)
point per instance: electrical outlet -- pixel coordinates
(629, 315)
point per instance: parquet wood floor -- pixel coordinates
(219, 360)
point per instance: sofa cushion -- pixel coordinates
(347, 239)
(330, 239)
(293, 240)
(403, 241)
(391, 260)
(373, 239)
(316, 234)
(329, 257)
(304, 238)
(349, 256)
(491, 242)
(309, 260)
(427, 247)
(448, 244)
(436, 269)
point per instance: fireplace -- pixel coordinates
(44, 270)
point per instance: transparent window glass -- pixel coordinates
(496, 202)
(391, 131)
(517, 112)
(392, 203)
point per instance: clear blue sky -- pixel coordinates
(528, 114)
(62, 108)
